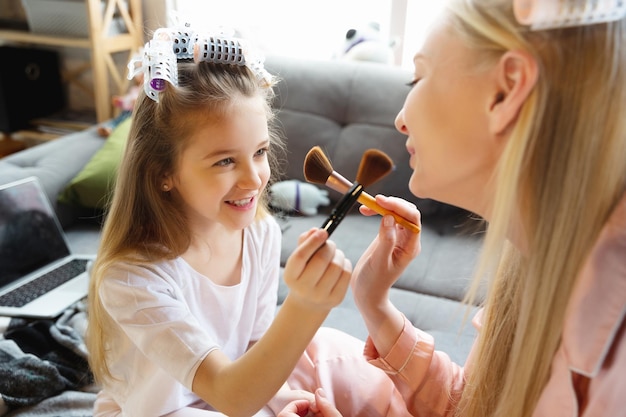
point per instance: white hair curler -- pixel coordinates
(551, 14)
(168, 45)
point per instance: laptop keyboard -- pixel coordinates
(48, 281)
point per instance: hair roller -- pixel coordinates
(168, 45)
(551, 14)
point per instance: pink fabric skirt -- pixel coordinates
(333, 361)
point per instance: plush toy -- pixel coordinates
(123, 103)
(293, 196)
(367, 44)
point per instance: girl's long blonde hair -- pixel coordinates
(144, 223)
(563, 171)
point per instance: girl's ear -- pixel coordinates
(166, 183)
(515, 77)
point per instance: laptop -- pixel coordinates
(39, 276)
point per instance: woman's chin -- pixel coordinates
(417, 188)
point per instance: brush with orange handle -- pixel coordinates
(374, 165)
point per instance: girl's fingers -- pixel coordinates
(305, 235)
(336, 277)
(296, 408)
(308, 245)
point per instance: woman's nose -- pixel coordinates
(399, 122)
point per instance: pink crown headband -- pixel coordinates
(168, 45)
(551, 14)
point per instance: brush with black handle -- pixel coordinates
(374, 165)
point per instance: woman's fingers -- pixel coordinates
(399, 206)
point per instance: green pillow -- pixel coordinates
(94, 184)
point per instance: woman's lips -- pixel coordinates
(411, 152)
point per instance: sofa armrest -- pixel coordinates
(55, 163)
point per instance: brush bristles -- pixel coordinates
(375, 164)
(317, 167)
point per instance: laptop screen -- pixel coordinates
(30, 235)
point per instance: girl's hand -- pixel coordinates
(298, 408)
(285, 397)
(388, 255)
(317, 273)
(301, 408)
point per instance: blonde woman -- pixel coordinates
(525, 125)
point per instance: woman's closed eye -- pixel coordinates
(413, 82)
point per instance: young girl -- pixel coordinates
(524, 105)
(183, 296)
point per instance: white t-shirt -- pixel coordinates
(170, 317)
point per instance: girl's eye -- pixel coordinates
(262, 151)
(413, 83)
(224, 162)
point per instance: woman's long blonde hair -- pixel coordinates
(563, 171)
(144, 223)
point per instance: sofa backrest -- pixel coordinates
(345, 107)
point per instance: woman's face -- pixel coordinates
(445, 117)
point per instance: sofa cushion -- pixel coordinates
(444, 268)
(94, 183)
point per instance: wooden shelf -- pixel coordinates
(101, 45)
(8, 145)
(35, 38)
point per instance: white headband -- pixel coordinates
(550, 14)
(168, 45)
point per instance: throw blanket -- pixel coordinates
(43, 362)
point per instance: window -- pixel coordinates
(313, 29)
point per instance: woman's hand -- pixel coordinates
(301, 408)
(389, 253)
(317, 273)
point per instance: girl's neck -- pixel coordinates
(217, 256)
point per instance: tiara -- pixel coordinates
(550, 14)
(160, 55)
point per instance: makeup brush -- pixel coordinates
(342, 208)
(319, 170)
(373, 166)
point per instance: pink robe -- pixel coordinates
(588, 372)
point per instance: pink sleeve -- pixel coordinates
(429, 381)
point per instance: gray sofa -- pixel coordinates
(346, 108)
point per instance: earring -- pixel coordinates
(165, 187)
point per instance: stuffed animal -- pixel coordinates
(293, 196)
(367, 44)
(123, 103)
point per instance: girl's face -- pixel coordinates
(224, 169)
(445, 118)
